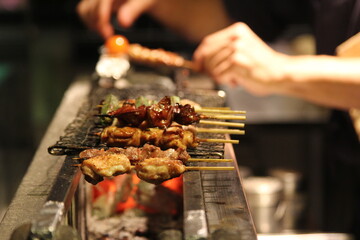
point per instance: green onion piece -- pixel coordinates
(174, 100)
(140, 101)
(111, 103)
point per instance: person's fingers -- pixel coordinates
(235, 76)
(83, 9)
(219, 61)
(214, 43)
(103, 25)
(96, 15)
(131, 10)
(210, 45)
(228, 73)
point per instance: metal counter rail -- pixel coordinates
(215, 206)
(36, 186)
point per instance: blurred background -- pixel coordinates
(44, 47)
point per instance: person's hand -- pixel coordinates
(237, 56)
(96, 14)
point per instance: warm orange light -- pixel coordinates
(109, 187)
(117, 44)
(174, 184)
(105, 187)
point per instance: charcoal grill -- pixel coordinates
(51, 200)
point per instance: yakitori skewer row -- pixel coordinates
(144, 114)
(150, 163)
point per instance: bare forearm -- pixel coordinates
(193, 19)
(327, 80)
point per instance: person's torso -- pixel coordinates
(334, 22)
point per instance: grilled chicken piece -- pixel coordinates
(97, 167)
(92, 152)
(151, 151)
(158, 170)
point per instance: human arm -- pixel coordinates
(96, 14)
(191, 19)
(237, 56)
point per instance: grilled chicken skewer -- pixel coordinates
(135, 154)
(138, 154)
(144, 55)
(150, 162)
(119, 45)
(163, 114)
(173, 137)
(154, 170)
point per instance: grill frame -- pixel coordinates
(78, 216)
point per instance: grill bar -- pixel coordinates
(57, 203)
(195, 223)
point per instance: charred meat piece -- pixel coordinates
(158, 170)
(186, 115)
(130, 115)
(160, 114)
(97, 167)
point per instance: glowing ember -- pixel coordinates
(126, 207)
(128, 191)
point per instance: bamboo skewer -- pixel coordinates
(204, 168)
(202, 109)
(209, 160)
(208, 116)
(224, 117)
(220, 130)
(205, 130)
(189, 65)
(228, 124)
(200, 168)
(224, 111)
(189, 160)
(215, 140)
(190, 168)
(221, 108)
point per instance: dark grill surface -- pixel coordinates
(81, 133)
